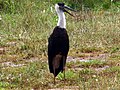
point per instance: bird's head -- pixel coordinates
(61, 7)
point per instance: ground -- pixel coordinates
(93, 62)
(94, 70)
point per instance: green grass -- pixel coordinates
(36, 75)
(23, 37)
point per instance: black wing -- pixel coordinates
(58, 47)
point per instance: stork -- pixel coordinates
(58, 42)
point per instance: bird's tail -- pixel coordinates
(56, 64)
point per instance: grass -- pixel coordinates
(23, 38)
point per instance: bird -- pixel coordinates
(58, 42)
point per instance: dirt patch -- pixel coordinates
(24, 62)
(90, 58)
(86, 57)
(11, 64)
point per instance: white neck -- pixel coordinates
(61, 21)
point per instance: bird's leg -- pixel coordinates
(64, 74)
(64, 67)
(54, 75)
(54, 80)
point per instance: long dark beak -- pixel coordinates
(68, 8)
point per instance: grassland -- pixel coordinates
(94, 36)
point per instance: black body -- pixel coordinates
(58, 47)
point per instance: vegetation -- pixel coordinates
(94, 34)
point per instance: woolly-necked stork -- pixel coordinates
(58, 42)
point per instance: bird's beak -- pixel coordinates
(65, 8)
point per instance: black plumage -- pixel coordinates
(58, 47)
(58, 42)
